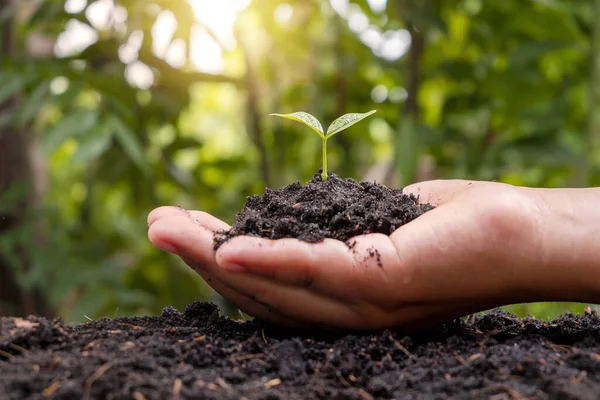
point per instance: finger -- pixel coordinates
(245, 303)
(195, 244)
(306, 308)
(179, 235)
(437, 192)
(292, 303)
(200, 217)
(344, 270)
(208, 221)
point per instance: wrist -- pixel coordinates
(567, 262)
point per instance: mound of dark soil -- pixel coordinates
(198, 354)
(337, 208)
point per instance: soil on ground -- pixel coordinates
(198, 354)
(337, 208)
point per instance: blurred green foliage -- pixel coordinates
(145, 114)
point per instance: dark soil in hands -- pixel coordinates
(199, 355)
(337, 208)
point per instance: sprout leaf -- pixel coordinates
(306, 119)
(345, 121)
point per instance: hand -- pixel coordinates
(471, 253)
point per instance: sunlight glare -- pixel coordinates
(372, 37)
(206, 54)
(59, 85)
(390, 45)
(162, 32)
(398, 94)
(128, 52)
(99, 13)
(379, 93)
(377, 6)
(176, 54)
(75, 6)
(357, 21)
(283, 13)
(340, 6)
(76, 37)
(139, 75)
(395, 44)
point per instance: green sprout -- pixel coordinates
(343, 122)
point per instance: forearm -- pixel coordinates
(568, 243)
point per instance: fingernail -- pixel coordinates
(233, 267)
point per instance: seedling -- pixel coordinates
(343, 122)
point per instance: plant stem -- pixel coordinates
(324, 173)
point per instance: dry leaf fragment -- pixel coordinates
(272, 383)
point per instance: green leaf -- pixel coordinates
(130, 143)
(48, 11)
(532, 51)
(407, 150)
(346, 121)
(94, 144)
(34, 102)
(73, 124)
(306, 119)
(428, 20)
(11, 84)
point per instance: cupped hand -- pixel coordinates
(471, 253)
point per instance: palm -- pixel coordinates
(417, 275)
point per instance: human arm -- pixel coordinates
(484, 245)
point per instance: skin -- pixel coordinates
(485, 244)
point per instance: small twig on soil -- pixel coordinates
(272, 383)
(263, 336)
(18, 348)
(5, 354)
(342, 379)
(138, 396)
(249, 356)
(365, 395)
(134, 327)
(99, 372)
(518, 321)
(402, 348)
(50, 390)
(221, 382)
(54, 362)
(510, 391)
(579, 378)
(558, 347)
(460, 359)
(177, 389)
(555, 358)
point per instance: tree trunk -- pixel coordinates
(409, 112)
(16, 173)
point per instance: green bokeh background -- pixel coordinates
(125, 105)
